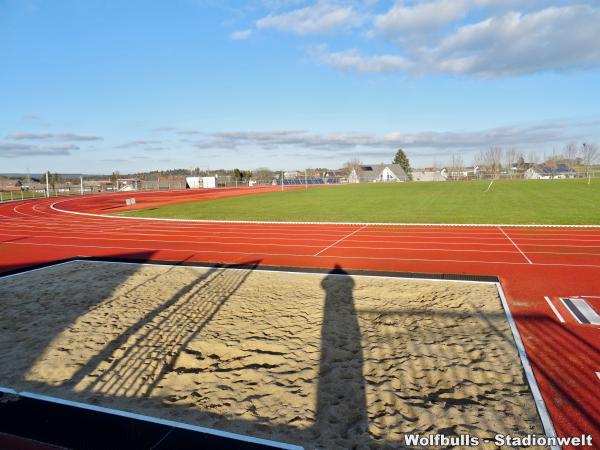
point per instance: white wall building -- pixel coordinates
(378, 173)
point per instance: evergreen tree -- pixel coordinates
(403, 161)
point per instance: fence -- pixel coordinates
(9, 191)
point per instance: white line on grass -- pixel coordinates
(516, 246)
(560, 318)
(340, 240)
(399, 224)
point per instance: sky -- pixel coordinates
(100, 85)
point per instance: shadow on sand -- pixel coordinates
(349, 365)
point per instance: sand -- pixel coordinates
(324, 361)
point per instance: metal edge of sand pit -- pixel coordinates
(74, 406)
(540, 405)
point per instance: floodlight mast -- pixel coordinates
(282, 181)
(47, 184)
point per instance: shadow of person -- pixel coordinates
(341, 414)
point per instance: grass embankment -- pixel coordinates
(509, 201)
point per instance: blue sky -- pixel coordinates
(98, 86)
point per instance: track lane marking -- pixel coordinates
(103, 236)
(560, 317)
(458, 261)
(89, 227)
(340, 240)
(516, 246)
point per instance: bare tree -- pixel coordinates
(533, 157)
(589, 154)
(353, 164)
(571, 152)
(457, 166)
(495, 158)
(490, 160)
(510, 158)
(263, 175)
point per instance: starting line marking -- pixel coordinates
(560, 318)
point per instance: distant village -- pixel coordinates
(490, 164)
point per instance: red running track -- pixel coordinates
(532, 263)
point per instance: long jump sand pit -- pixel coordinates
(320, 360)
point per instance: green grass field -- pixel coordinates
(516, 202)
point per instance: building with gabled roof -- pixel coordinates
(547, 171)
(378, 173)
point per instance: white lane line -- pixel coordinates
(598, 375)
(516, 246)
(259, 244)
(340, 240)
(265, 254)
(197, 240)
(551, 305)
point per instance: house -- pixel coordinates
(459, 173)
(427, 174)
(134, 182)
(378, 173)
(548, 171)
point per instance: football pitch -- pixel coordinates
(507, 202)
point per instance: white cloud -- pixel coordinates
(484, 38)
(322, 17)
(240, 35)
(511, 43)
(537, 135)
(352, 60)
(52, 136)
(419, 18)
(138, 143)
(16, 150)
(515, 43)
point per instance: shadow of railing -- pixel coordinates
(32, 316)
(159, 336)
